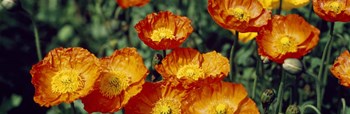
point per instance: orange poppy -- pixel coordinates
(332, 10)
(122, 77)
(164, 30)
(240, 15)
(129, 3)
(221, 98)
(287, 37)
(189, 67)
(157, 98)
(64, 75)
(341, 69)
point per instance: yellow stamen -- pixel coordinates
(167, 106)
(285, 45)
(334, 6)
(162, 33)
(66, 81)
(221, 109)
(239, 13)
(113, 83)
(191, 71)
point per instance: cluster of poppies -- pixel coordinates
(192, 82)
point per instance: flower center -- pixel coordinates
(334, 6)
(221, 109)
(239, 13)
(162, 33)
(286, 44)
(113, 83)
(191, 71)
(167, 106)
(66, 81)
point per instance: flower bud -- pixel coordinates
(293, 109)
(157, 58)
(268, 96)
(264, 59)
(292, 65)
(10, 4)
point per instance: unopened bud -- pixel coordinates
(293, 109)
(157, 58)
(292, 65)
(264, 59)
(268, 96)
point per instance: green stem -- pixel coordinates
(36, 34)
(164, 53)
(254, 86)
(37, 42)
(280, 8)
(310, 12)
(311, 107)
(73, 108)
(260, 72)
(325, 60)
(344, 106)
(233, 67)
(280, 93)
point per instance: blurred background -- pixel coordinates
(101, 26)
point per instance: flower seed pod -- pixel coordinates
(268, 96)
(292, 65)
(265, 59)
(293, 109)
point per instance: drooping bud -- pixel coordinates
(157, 58)
(292, 65)
(268, 96)
(293, 109)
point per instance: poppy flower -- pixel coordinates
(245, 36)
(164, 30)
(286, 4)
(129, 3)
(332, 10)
(122, 77)
(189, 67)
(341, 68)
(270, 4)
(221, 98)
(157, 98)
(240, 15)
(64, 75)
(287, 37)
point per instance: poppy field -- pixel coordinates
(175, 56)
